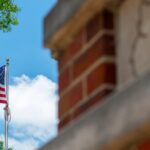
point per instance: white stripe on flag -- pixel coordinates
(2, 92)
(3, 86)
(3, 98)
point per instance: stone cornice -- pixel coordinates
(66, 19)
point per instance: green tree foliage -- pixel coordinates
(8, 11)
(2, 146)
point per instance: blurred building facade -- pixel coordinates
(103, 53)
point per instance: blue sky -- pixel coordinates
(33, 78)
(24, 43)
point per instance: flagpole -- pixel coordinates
(7, 106)
(6, 129)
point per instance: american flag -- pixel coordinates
(3, 95)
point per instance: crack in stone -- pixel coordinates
(139, 35)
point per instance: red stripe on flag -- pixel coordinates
(3, 101)
(2, 95)
(2, 89)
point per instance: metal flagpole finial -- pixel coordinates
(7, 61)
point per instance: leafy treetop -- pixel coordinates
(8, 11)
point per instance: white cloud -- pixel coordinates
(33, 104)
(29, 144)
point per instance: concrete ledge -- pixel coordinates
(121, 120)
(66, 19)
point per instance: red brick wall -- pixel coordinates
(144, 146)
(87, 70)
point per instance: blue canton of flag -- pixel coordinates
(3, 97)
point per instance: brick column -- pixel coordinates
(87, 70)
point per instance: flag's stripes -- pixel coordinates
(3, 97)
(3, 101)
(2, 86)
(2, 94)
(2, 89)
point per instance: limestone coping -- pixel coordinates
(122, 119)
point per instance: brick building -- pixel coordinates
(102, 48)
